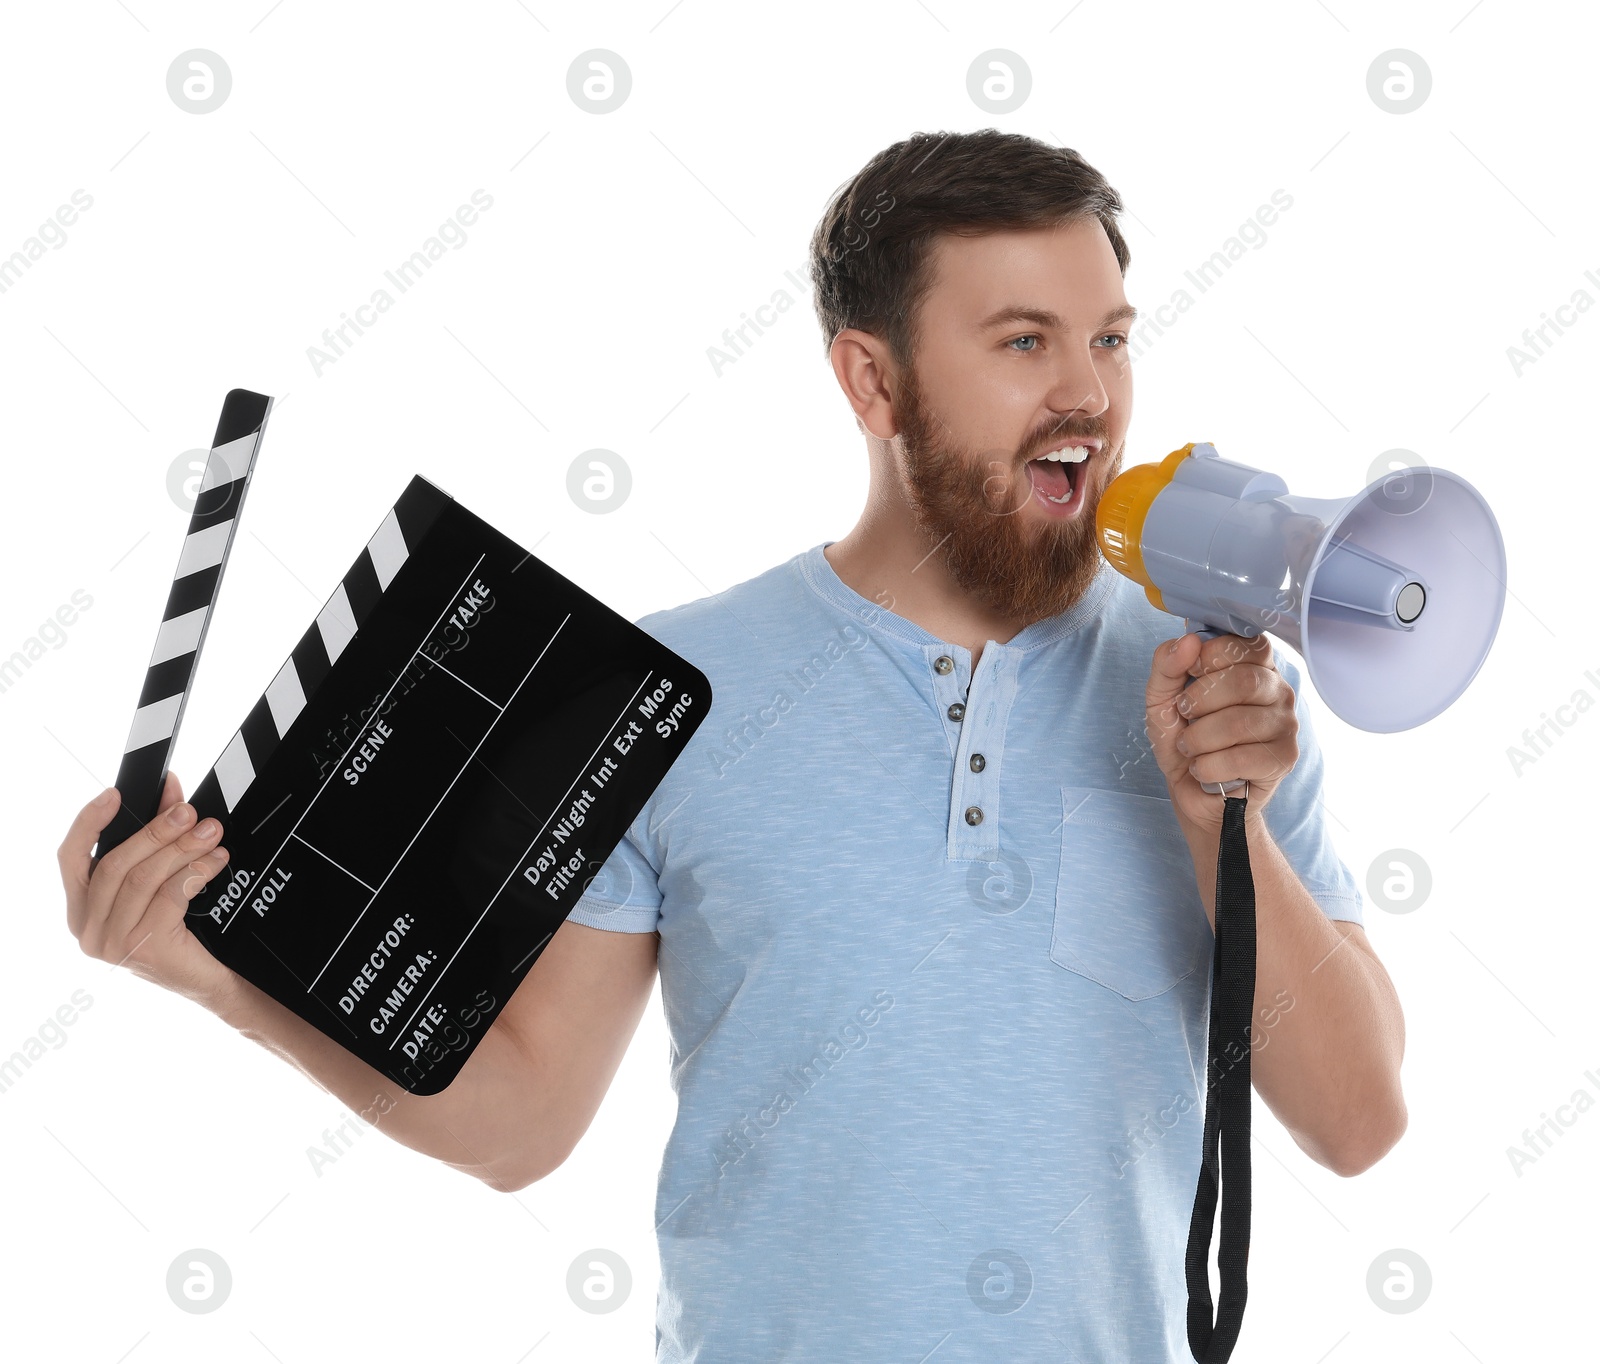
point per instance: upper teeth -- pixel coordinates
(1068, 454)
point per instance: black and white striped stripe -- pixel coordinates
(311, 660)
(145, 758)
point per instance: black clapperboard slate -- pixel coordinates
(434, 776)
(458, 774)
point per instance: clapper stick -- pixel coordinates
(167, 681)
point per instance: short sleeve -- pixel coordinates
(624, 896)
(1297, 821)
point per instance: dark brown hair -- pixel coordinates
(870, 251)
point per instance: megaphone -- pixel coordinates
(1392, 597)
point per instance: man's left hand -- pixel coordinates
(1236, 719)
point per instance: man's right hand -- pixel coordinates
(130, 908)
(522, 1100)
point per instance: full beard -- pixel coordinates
(975, 510)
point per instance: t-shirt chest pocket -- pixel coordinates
(1128, 911)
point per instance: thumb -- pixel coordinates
(171, 793)
(1169, 674)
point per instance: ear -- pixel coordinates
(861, 365)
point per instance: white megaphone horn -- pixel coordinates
(1392, 597)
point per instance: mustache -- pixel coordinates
(1093, 430)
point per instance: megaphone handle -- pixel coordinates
(1225, 1146)
(1224, 1179)
(1215, 788)
(1224, 1182)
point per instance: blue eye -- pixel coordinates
(1121, 342)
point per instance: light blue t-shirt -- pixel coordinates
(936, 973)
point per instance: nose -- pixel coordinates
(1077, 389)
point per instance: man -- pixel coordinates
(930, 891)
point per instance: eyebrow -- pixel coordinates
(1043, 317)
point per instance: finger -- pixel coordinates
(1243, 684)
(75, 853)
(168, 907)
(144, 881)
(1226, 650)
(170, 838)
(171, 903)
(1169, 670)
(1242, 724)
(157, 834)
(1260, 763)
(171, 793)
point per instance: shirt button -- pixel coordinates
(974, 815)
(956, 711)
(975, 762)
(944, 664)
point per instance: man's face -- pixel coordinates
(991, 390)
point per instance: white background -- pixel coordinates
(577, 315)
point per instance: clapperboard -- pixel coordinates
(430, 781)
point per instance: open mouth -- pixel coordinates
(1058, 476)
